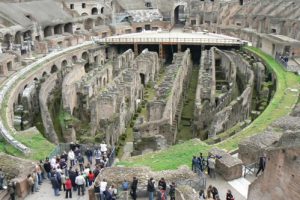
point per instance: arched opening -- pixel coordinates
(241, 2)
(100, 81)
(84, 14)
(53, 69)
(68, 28)
(19, 98)
(104, 82)
(142, 76)
(179, 15)
(18, 39)
(88, 24)
(48, 31)
(107, 75)
(36, 80)
(58, 29)
(85, 56)
(87, 67)
(99, 21)
(27, 35)
(102, 10)
(9, 66)
(94, 11)
(64, 63)
(74, 59)
(44, 74)
(7, 40)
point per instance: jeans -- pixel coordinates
(49, 175)
(82, 189)
(1, 183)
(151, 194)
(69, 193)
(56, 191)
(90, 159)
(39, 178)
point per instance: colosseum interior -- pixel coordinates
(157, 82)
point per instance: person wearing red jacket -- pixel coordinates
(68, 186)
(91, 178)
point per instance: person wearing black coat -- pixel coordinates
(55, 184)
(47, 167)
(134, 188)
(72, 176)
(151, 188)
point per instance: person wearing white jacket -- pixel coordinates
(71, 157)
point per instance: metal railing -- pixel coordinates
(169, 40)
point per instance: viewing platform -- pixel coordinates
(172, 38)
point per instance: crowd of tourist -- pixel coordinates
(200, 165)
(70, 172)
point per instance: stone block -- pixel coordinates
(251, 148)
(226, 165)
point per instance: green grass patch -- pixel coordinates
(40, 146)
(170, 158)
(282, 104)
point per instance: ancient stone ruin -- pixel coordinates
(141, 76)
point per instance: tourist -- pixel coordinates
(63, 180)
(113, 191)
(80, 182)
(194, 164)
(53, 162)
(1, 179)
(47, 167)
(89, 155)
(202, 195)
(55, 184)
(97, 190)
(30, 182)
(125, 185)
(172, 191)
(96, 171)
(211, 165)
(215, 192)
(151, 188)
(163, 187)
(103, 185)
(103, 148)
(262, 164)
(71, 157)
(229, 196)
(209, 192)
(68, 187)
(91, 178)
(63, 166)
(38, 173)
(72, 176)
(76, 153)
(201, 162)
(41, 165)
(134, 188)
(98, 155)
(35, 179)
(107, 195)
(80, 160)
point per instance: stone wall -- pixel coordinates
(281, 179)
(16, 170)
(163, 111)
(46, 88)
